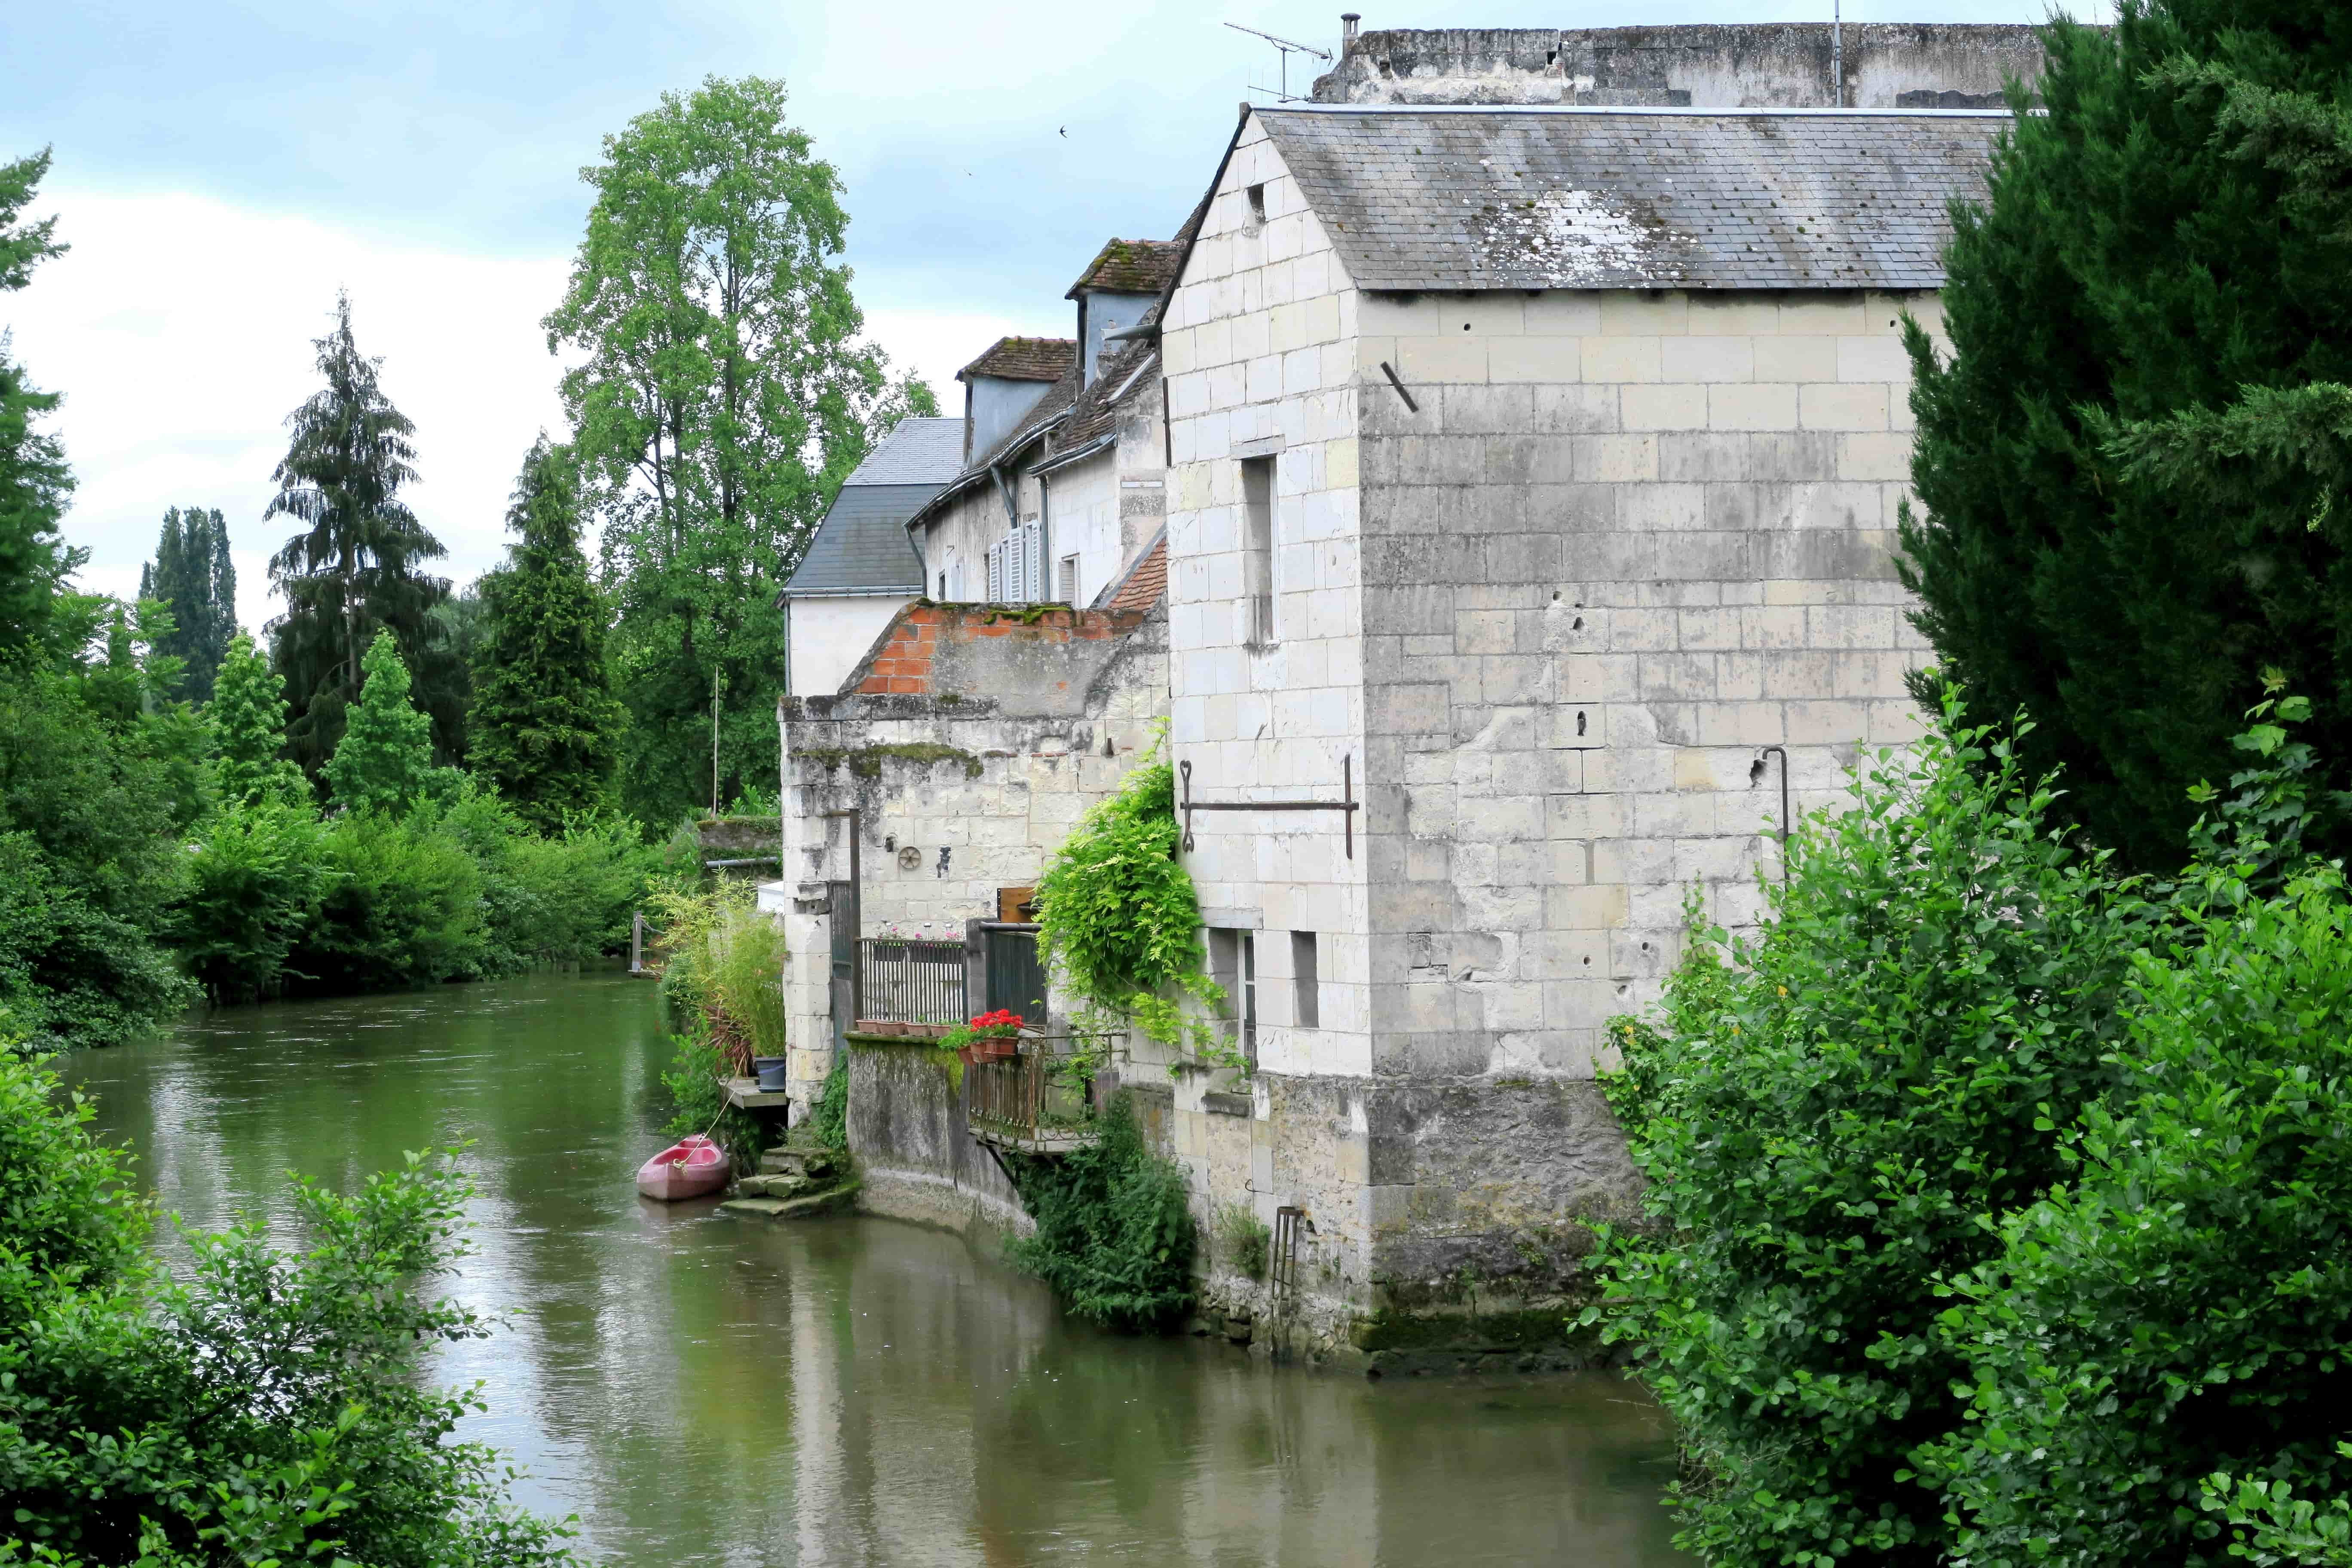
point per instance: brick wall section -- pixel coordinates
(906, 660)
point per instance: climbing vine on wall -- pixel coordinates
(1119, 918)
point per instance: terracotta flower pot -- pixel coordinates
(996, 1048)
(967, 1055)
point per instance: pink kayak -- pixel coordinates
(690, 1168)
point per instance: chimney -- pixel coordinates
(1348, 20)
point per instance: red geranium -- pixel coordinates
(1003, 1021)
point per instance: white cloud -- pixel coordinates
(180, 327)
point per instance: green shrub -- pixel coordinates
(255, 881)
(559, 898)
(266, 1407)
(829, 1119)
(1823, 1122)
(1115, 910)
(699, 1104)
(1243, 1240)
(72, 972)
(2183, 1306)
(404, 908)
(1115, 1236)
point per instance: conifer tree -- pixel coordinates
(357, 565)
(2132, 470)
(249, 718)
(544, 718)
(33, 480)
(193, 575)
(384, 761)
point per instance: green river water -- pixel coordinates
(700, 1389)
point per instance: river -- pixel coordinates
(700, 1389)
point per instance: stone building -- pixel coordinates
(1740, 65)
(1529, 478)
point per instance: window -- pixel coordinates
(1016, 574)
(1068, 588)
(1307, 988)
(1257, 206)
(1258, 549)
(1233, 963)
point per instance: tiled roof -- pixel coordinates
(1130, 267)
(918, 450)
(1146, 581)
(1467, 199)
(1024, 359)
(861, 547)
(1096, 413)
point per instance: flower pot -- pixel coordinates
(770, 1072)
(967, 1055)
(996, 1048)
(871, 1026)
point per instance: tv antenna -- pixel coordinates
(1283, 94)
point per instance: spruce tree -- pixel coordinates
(193, 576)
(2132, 469)
(543, 720)
(249, 719)
(384, 760)
(357, 565)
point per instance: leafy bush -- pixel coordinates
(1822, 1122)
(1115, 910)
(2183, 1307)
(559, 898)
(829, 1119)
(71, 972)
(267, 1408)
(404, 908)
(723, 969)
(1115, 1236)
(699, 1104)
(255, 881)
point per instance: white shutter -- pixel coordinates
(996, 573)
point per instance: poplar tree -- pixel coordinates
(193, 577)
(249, 719)
(357, 565)
(384, 760)
(2131, 471)
(545, 721)
(723, 393)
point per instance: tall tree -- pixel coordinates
(354, 570)
(248, 723)
(193, 577)
(384, 760)
(2134, 469)
(544, 723)
(33, 480)
(722, 395)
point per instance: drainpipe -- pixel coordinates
(1837, 56)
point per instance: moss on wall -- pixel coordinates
(865, 762)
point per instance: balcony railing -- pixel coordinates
(1041, 1102)
(912, 981)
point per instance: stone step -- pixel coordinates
(771, 1186)
(831, 1201)
(792, 1160)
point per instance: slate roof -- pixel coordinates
(1130, 267)
(1024, 359)
(1580, 198)
(862, 545)
(919, 450)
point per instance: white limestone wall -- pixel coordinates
(1627, 542)
(1257, 344)
(831, 635)
(1082, 517)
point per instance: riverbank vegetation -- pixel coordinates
(1115, 1234)
(720, 959)
(398, 785)
(2000, 1197)
(259, 1406)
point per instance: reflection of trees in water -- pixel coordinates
(708, 1390)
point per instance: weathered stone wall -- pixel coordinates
(1626, 542)
(976, 742)
(1886, 65)
(914, 1158)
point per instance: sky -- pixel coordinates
(222, 168)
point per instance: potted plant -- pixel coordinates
(995, 1036)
